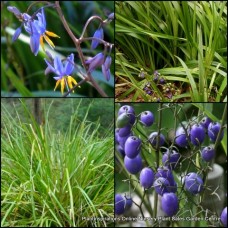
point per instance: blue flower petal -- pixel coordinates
(106, 72)
(69, 67)
(35, 43)
(16, 34)
(98, 34)
(58, 66)
(96, 61)
(50, 67)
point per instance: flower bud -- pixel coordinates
(14, 10)
(16, 34)
(95, 62)
(98, 34)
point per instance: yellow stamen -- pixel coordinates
(49, 41)
(62, 84)
(42, 42)
(51, 34)
(57, 83)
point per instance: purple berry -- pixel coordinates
(153, 139)
(147, 118)
(132, 146)
(128, 203)
(169, 204)
(208, 153)
(120, 150)
(119, 204)
(193, 183)
(205, 122)
(126, 109)
(213, 130)
(162, 81)
(224, 217)
(197, 134)
(133, 165)
(164, 172)
(121, 140)
(124, 131)
(170, 159)
(161, 185)
(146, 178)
(181, 137)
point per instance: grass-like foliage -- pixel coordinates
(55, 178)
(185, 41)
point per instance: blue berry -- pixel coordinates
(205, 122)
(167, 174)
(170, 159)
(169, 204)
(153, 139)
(124, 131)
(121, 140)
(147, 118)
(224, 217)
(128, 203)
(146, 178)
(208, 153)
(119, 204)
(161, 185)
(120, 150)
(132, 146)
(193, 183)
(181, 137)
(213, 130)
(197, 134)
(133, 165)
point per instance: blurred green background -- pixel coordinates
(62, 109)
(22, 73)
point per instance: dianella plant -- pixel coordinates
(55, 175)
(171, 51)
(75, 63)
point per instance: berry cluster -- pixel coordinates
(190, 135)
(194, 133)
(168, 89)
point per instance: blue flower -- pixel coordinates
(98, 34)
(62, 72)
(35, 28)
(111, 16)
(106, 67)
(38, 32)
(95, 62)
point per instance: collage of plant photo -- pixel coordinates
(114, 114)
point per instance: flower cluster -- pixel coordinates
(100, 59)
(35, 25)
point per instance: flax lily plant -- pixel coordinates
(186, 42)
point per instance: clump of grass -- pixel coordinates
(55, 178)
